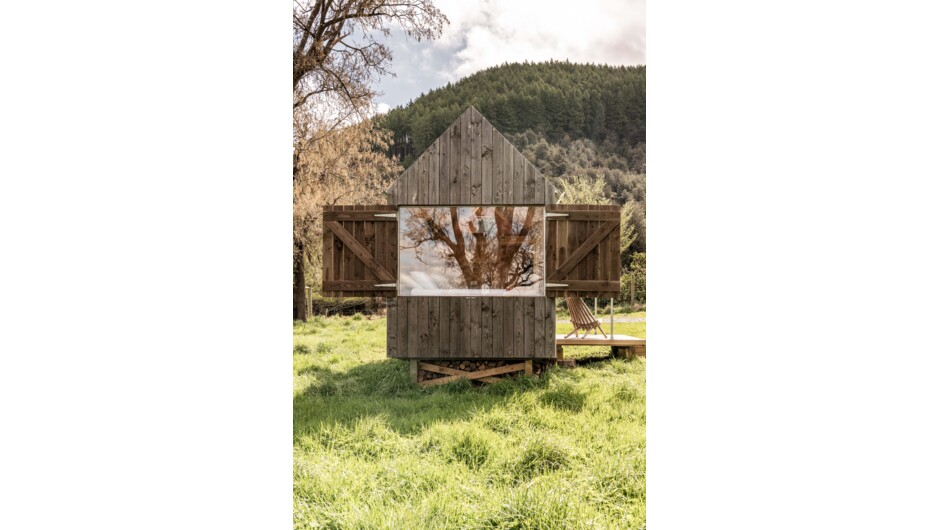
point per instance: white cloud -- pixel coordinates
(487, 33)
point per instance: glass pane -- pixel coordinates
(471, 251)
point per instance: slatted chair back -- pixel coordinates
(581, 317)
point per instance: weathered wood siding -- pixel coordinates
(471, 328)
(471, 164)
(582, 250)
(368, 257)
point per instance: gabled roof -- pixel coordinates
(471, 164)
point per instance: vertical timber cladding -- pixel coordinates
(582, 250)
(471, 163)
(360, 251)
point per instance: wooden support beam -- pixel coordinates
(359, 215)
(357, 285)
(454, 374)
(597, 215)
(364, 255)
(583, 250)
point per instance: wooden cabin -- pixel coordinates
(471, 252)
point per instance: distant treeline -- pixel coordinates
(558, 101)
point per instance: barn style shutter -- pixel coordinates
(582, 250)
(360, 250)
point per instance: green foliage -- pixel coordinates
(581, 156)
(373, 450)
(578, 189)
(636, 274)
(628, 233)
(638, 263)
(598, 102)
(567, 119)
(322, 305)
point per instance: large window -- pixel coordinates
(471, 251)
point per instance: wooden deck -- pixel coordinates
(599, 340)
(623, 346)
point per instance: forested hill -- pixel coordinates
(570, 120)
(554, 100)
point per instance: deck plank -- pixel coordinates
(599, 340)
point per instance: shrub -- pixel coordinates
(335, 306)
(637, 276)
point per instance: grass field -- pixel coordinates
(372, 450)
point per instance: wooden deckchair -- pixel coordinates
(581, 317)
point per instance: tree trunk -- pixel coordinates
(300, 291)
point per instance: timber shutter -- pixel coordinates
(360, 250)
(582, 250)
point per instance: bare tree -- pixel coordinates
(501, 256)
(337, 57)
(347, 165)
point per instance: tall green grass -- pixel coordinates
(372, 450)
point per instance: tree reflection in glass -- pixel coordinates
(471, 251)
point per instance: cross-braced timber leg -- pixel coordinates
(454, 374)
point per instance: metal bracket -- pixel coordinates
(554, 285)
(386, 285)
(386, 215)
(553, 214)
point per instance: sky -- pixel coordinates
(484, 33)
